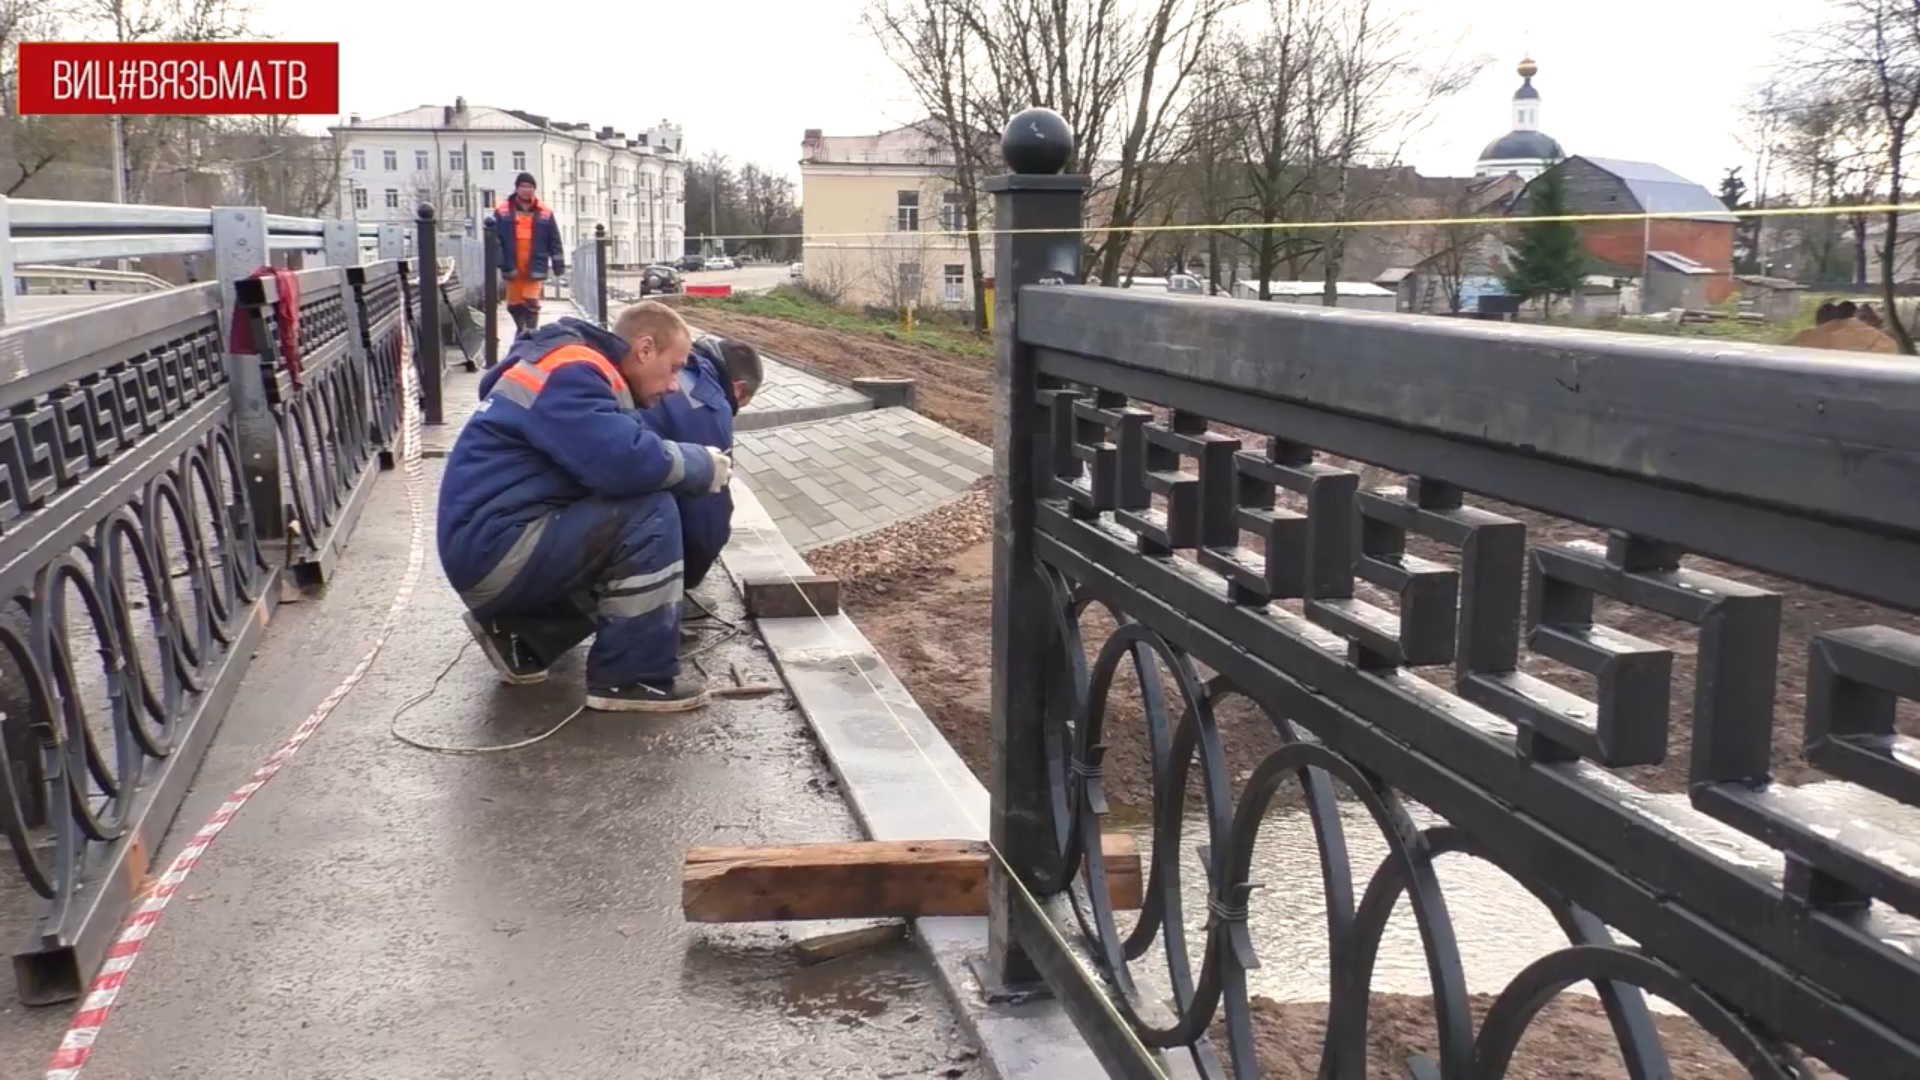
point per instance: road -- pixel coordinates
(756, 278)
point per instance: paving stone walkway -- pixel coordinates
(791, 396)
(832, 479)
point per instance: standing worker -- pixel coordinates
(527, 242)
(558, 518)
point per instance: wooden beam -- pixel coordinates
(905, 879)
(800, 596)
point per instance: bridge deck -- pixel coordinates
(378, 911)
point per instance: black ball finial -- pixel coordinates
(1037, 142)
(425, 212)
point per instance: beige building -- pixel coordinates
(882, 219)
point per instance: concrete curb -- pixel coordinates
(903, 781)
(761, 421)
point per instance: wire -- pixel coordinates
(1360, 223)
(393, 723)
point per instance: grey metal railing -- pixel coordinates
(162, 486)
(587, 283)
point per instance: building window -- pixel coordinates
(360, 159)
(421, 162)
(953, 212)
(907, 213)
(457, 160)
(953, 282)
(909, 281)
(486, 161)
(486, 196)
(616, 207)
(393, 198)
(390, 159)
(359, 198)
(583, 204)
(520, 160)
(459, 199)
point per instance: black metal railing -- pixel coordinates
(333, 405)
(150, 479)
(1335, 517)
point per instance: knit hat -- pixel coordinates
(525, 178)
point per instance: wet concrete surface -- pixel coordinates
(381, 912)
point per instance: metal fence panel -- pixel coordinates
(1335, 517)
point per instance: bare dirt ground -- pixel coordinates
(921, 591)
(953, 389)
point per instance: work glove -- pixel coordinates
(722, 470)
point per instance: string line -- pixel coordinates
(1351, 223)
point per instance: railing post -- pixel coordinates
(240, 248)
(600, 274)
(1037, 144)
(9, 284)
(490, 291)
(341, 240)
(392, 240)
(427, 350)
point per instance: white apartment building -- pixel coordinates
(463, 159)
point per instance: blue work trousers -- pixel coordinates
(610, 568)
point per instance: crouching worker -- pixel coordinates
(720, 379)
(558, 516)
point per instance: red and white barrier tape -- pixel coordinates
(77, 1045)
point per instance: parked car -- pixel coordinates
(692, 263)
(721, 262)
(793, 272)
(656, 280)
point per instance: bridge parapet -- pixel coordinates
(1328, 514)
(162, 478)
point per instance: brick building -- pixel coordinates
(1701, 232)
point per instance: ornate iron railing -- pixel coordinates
(1227, 478)
(329, 420)
(141, 476)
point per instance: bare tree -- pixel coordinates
(270, 162)
(1383, 84)
(29, 145)
(1864, 61)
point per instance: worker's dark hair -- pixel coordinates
(742, 363)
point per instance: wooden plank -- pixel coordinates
(800, 596)
(905, 879)
(819, 950)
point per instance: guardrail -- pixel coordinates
(1336, 548)
(164, 482)
(587, 287)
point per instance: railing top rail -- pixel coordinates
(286, 223)
(55, 215)
(48, 351)
(91, 273)
(1817, 431)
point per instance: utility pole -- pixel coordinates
(120, 169)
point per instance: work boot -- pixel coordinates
(509, 655)
(684, 694)
(695, 614)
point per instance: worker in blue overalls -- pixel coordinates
(720, 379)
(559, 516)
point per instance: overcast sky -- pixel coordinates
(1649, 80)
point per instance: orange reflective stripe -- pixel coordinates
(581, 354)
